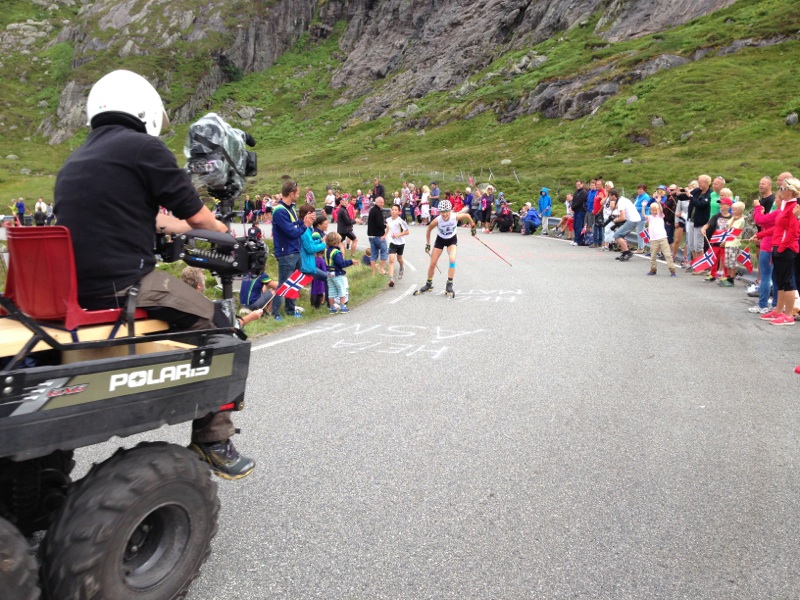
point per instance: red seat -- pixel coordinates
(42, 282)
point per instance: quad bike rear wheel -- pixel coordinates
(139, 525)
(18, 572)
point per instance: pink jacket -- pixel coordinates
(787, 229)
(767, 223)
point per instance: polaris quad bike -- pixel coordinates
(138, 525)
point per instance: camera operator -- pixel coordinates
(113, 237)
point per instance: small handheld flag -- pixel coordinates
(744, 260)
(292, 286)
(724, 235)
(645, 235)
(704, 262)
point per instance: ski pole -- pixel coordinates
(498, 256)
(428, 252)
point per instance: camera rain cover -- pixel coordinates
(217, 155)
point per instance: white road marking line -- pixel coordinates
(295, 337)
(404, 294)
(409, 265)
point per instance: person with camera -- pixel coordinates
(123, 152)
(699, 214)
(626, 221)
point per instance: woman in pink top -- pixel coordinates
(785, 243)
(765, 268)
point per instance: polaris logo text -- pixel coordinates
(137, 379)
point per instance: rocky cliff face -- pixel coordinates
(415, 46)
(426, 46)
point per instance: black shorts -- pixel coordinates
(442, 243)
(784, 269)
(328, 210)
(349, 235)
(397, 249)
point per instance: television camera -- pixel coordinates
(218, 159)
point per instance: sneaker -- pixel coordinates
(243, 312)
(224, 459)
(709, 279)
(758, 311)
(673, 274)
(279, 317)
(298, 315)
(752, 290)
(334, 310)
(782, 320)
(391, 283)
(725, 283)
(574, 243)
(651, 272)
(769, 316)
(344, 309)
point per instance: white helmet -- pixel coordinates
(445, 206)
(126, 92)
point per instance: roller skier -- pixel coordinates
(445, 224)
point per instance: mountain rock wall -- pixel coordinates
(416, 46)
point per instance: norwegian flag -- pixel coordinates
(704, 262)
(744, 259)
(645, 235)
(724, 235)
(292, 286)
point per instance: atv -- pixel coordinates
(139, 524)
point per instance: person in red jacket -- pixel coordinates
(785, 248)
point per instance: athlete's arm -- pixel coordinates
(430, 228)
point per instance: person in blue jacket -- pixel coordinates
(286, 232)
(531, 221)
(545, 208)
(310, 244)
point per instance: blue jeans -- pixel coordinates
(286, 266)
(640, 227)
(528, 227)
(598, 231)
(379, 249)
(766, 271)
(579, 217)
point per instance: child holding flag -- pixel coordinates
(657, 231)
(717, 225)
(338, 288)
(735, 228)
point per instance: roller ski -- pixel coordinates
(424, 289)
(448, 290)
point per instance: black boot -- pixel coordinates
(224, 459)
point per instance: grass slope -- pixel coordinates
(734, 105)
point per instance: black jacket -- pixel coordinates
(579, 199)
(700, 207)
(376, 225)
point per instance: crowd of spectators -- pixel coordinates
(674, 223)
(704, 224)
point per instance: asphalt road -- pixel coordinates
(563, 428)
